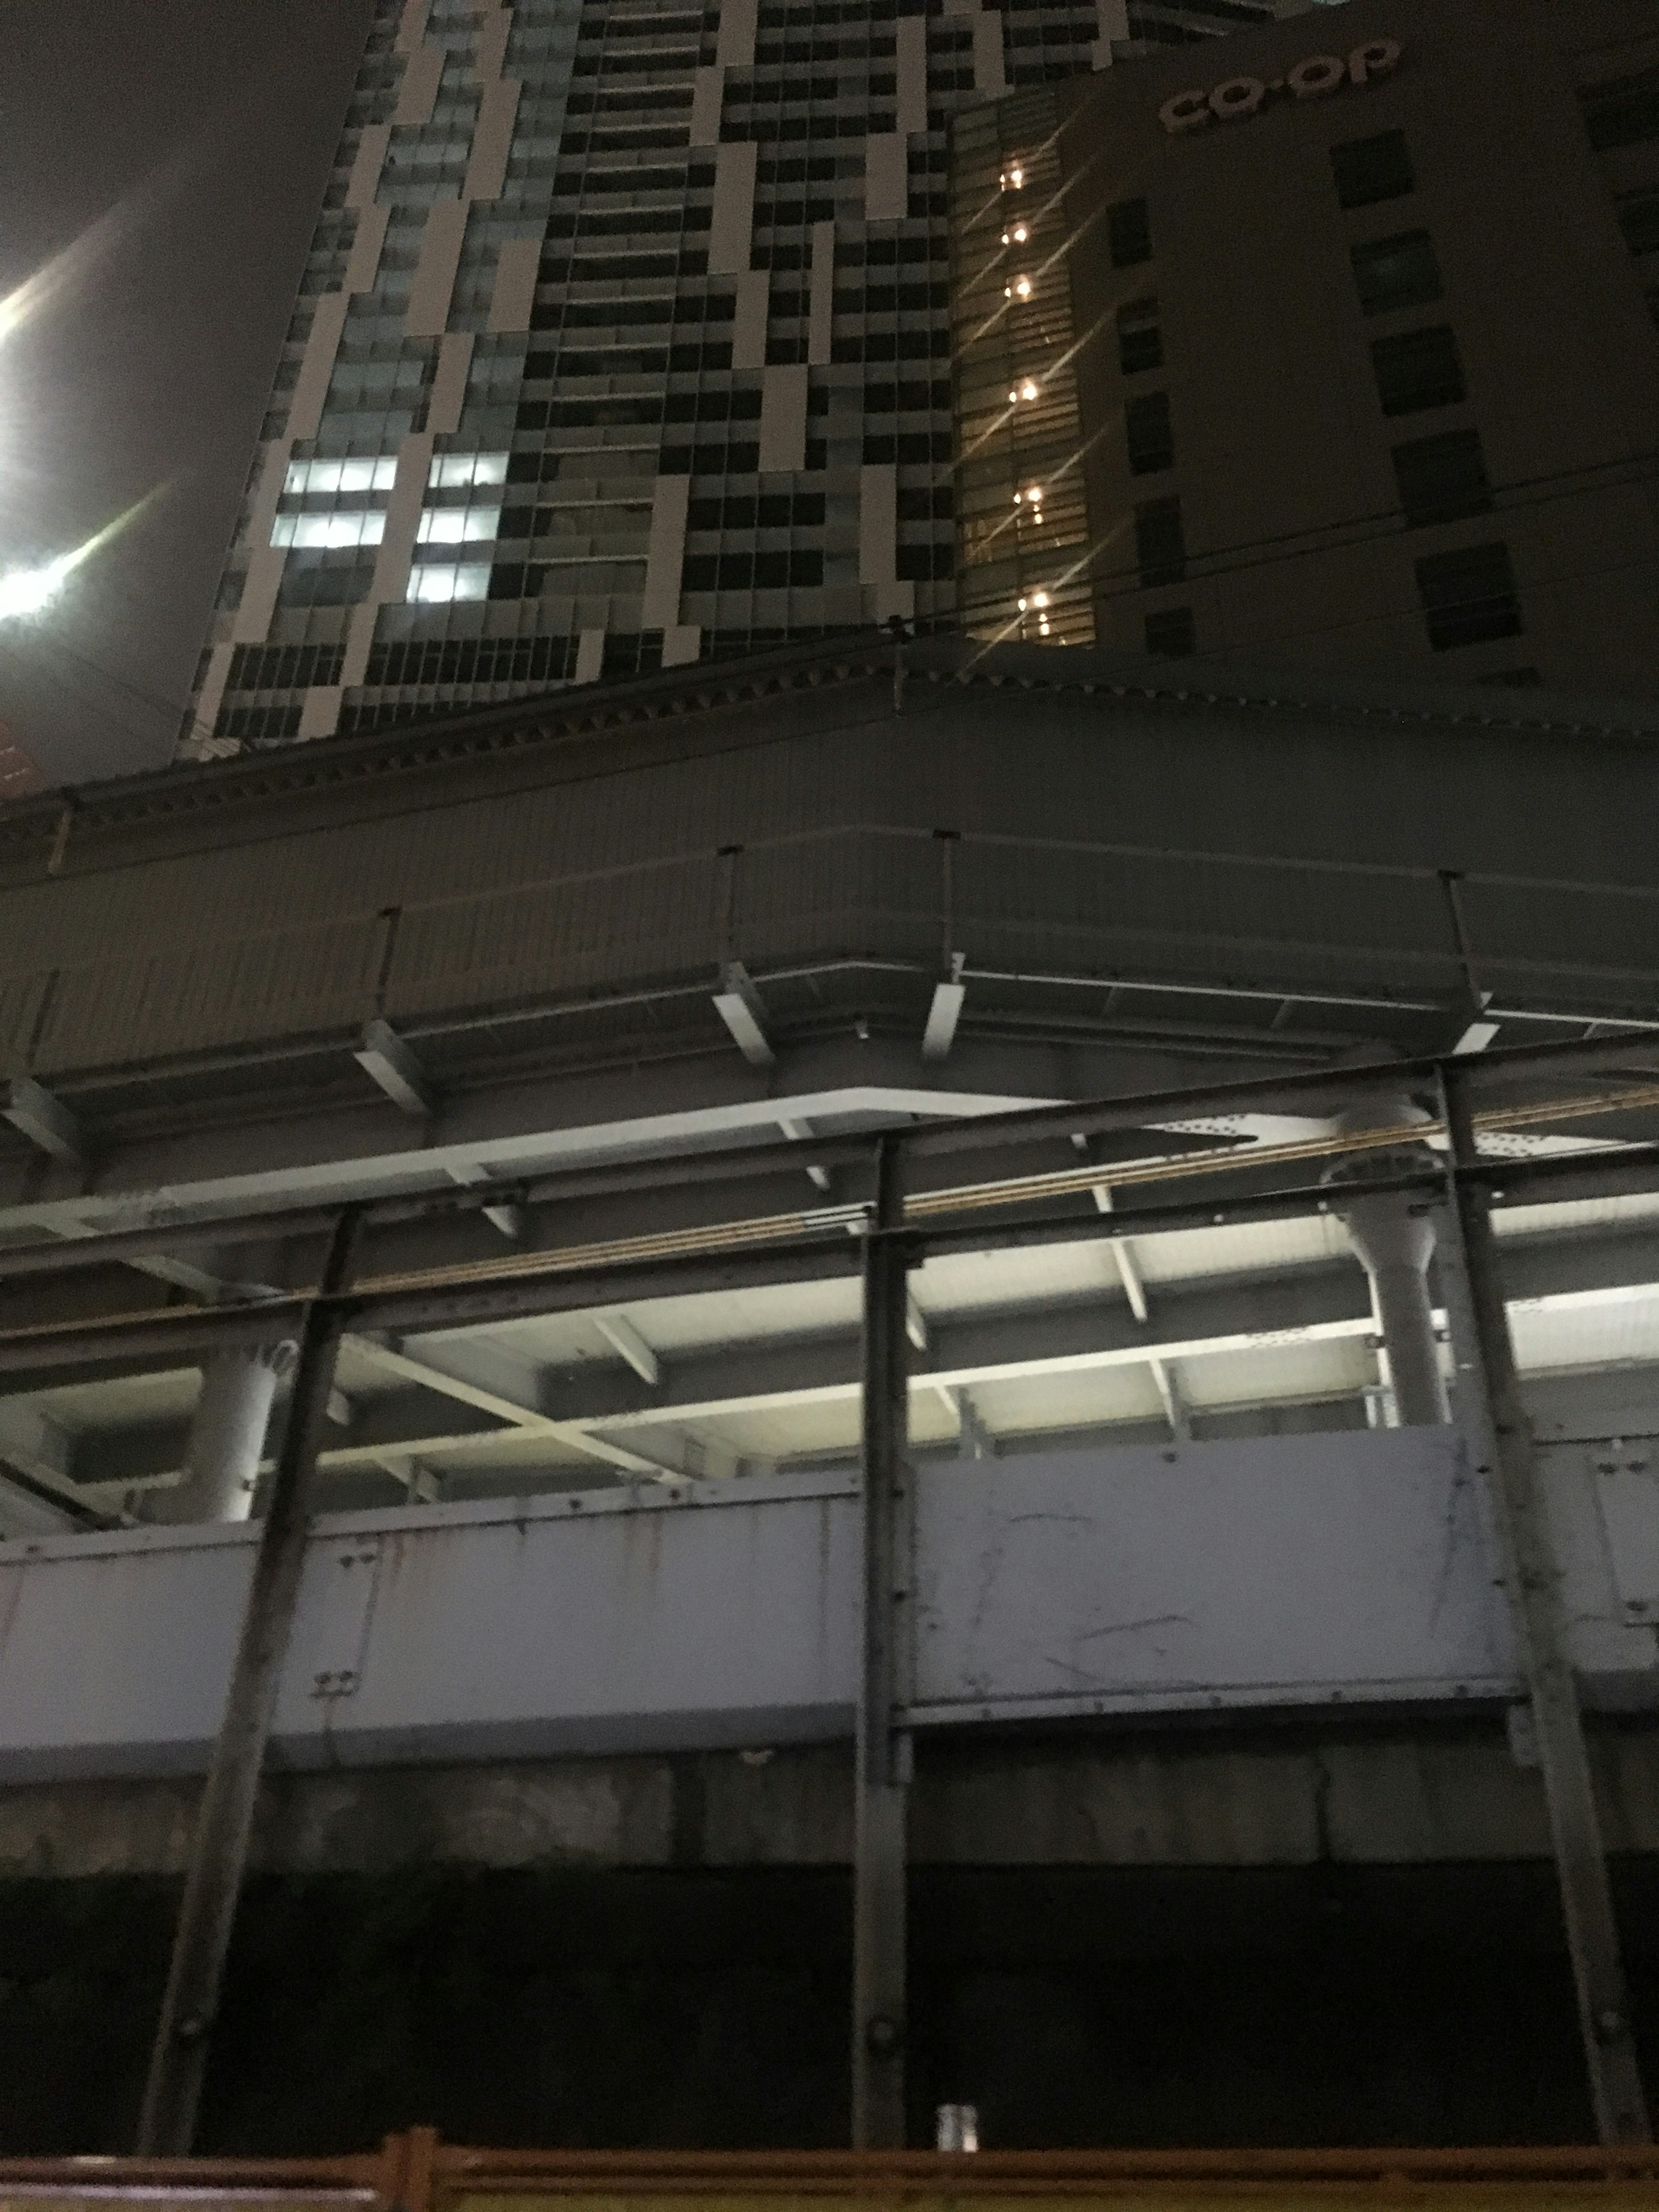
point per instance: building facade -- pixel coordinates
(624, 338)
(1348, 358)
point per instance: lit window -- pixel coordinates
(1026, 391)
(1019, 289)
(466, 581)
(449, 470)
(1016, 236)
(342, 476)
(1037, 605)
(454, 525)
(328, 530)
(1013, 179)
(1031, 500)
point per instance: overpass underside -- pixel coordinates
(756, 1322)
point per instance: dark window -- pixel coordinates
(1371, 169)
(1441, 478)
(1469, 596)
(1170, 632)
(1623, 112)
(1139, 340)
(1420, 369)
(1160, 546)
(1150, 438)
(1396, 272)
(1129, 227)
(1638, 218)
(1519, 677)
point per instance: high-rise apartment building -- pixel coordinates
(1341, 352)
(623, 339)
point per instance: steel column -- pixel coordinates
(1490, 1411)
(882, 1764)
(224, 1819)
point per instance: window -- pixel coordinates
(1469, 596)
(1170, 632)
(1368, 170)
(342, 476)
(1623, 111)
(453, 525)
(1140, 339)
(1520, 679)
(1146, 427)
(327, 529)
(452, 468)
(1441, 478)
(1396, 272)
(447, 581)
(1128, 226)
(1160, 545)
(1638, 218)
(1419, 369)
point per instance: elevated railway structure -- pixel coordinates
(892, 1195)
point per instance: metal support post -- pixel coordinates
(228, 1433)
(1490, 1408)
(224, 1820)
(882, 1767)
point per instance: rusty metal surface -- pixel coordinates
(415, 2172)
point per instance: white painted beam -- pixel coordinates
(47, 1122)
(621, 1336)
(799, 1133)
(520, 1420)
(945, 1013)
(741, 1007)
(1175, 1411)
(391, 1063)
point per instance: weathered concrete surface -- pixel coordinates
(1379, 1799)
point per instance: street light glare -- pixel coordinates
(26, 591)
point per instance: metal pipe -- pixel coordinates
(1490, 1407)
(882, 1755)
(1394, 1243)
(224, 1820)
(1395, 1246)
(227, 1434)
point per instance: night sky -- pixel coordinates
(202, 131)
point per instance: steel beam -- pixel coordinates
(224, 1820)
(1491, 1413)
(48, 1124)
(390, 1063)
(883, 1755)
(740, 1006)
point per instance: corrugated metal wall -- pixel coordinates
(1086, 834)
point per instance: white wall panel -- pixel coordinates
(1276, 1573)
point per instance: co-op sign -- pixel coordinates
(1314, 79)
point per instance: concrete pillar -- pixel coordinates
(1392, 1238)
(227, 1434)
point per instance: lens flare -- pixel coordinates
(27, 591)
